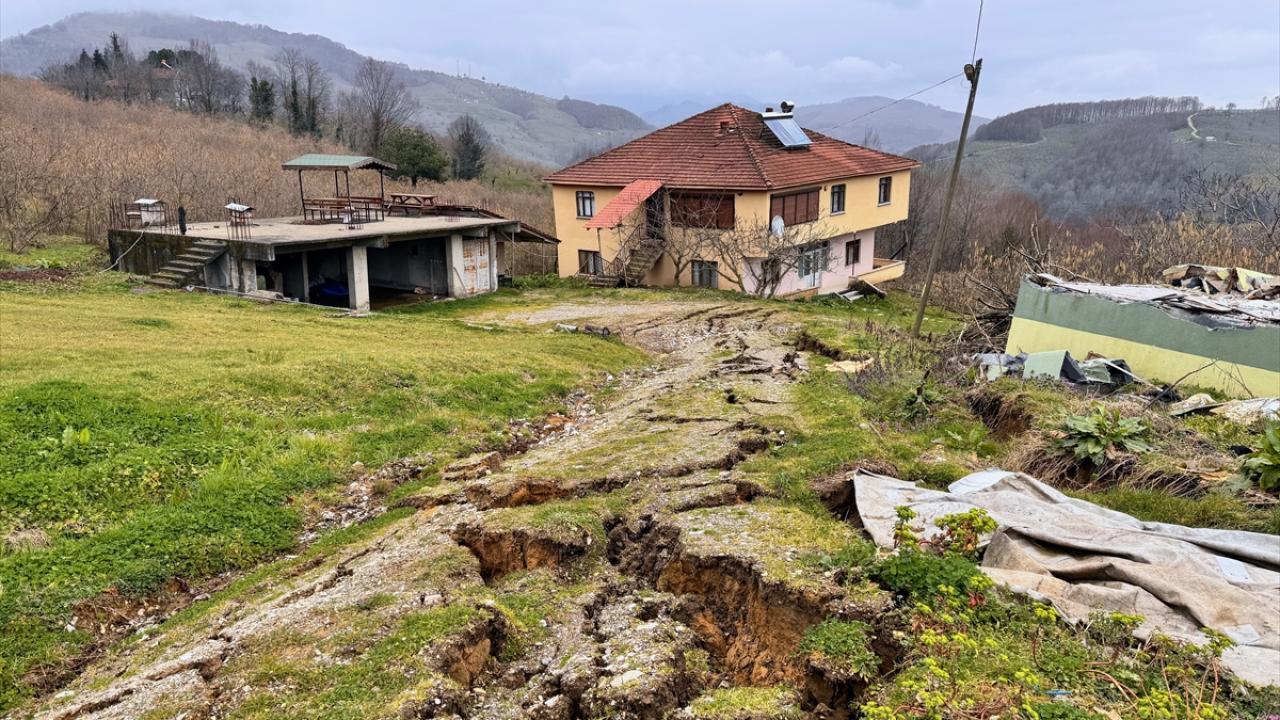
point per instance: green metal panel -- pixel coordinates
(321, 161)
(1257, 346)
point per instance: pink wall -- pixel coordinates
(836, 277)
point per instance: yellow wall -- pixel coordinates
(861, 213)
(1151, 363)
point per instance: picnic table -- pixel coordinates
(410, 202)
(343, 209)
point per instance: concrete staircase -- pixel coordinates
(178, 271)
(641, 260)
(600, 281)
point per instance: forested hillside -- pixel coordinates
(1084, 160)
(523, 124)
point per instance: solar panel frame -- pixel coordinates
(788, 131)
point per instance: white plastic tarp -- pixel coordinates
(1081, 557)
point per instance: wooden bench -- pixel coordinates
(410, 203)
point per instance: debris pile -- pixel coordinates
(1225, 341)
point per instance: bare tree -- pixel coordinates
(34, 198)
(379, 104)
(680, 225)
(303, 88)
(757, 259)
(1252, 203)
(203, 84)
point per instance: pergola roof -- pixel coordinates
(321, 161)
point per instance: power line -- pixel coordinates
(977, 29)
(895, 102)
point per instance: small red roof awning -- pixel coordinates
(627, 200)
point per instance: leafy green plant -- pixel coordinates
(1093, 436)
(842, 647)
(1262, 466)
(917, 574)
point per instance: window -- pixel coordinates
(886, 190)
(590, 263)
(813, 260)
(702, 210)
(852, 251)
(837, 199)
(794, 208)
(705, 274)
(586, 204)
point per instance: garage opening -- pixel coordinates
(407, 271)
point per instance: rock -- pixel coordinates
(470, 468)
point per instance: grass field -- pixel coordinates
(148, 436)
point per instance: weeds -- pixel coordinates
(1096, 437)
(1262, 466)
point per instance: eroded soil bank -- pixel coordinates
(619, 570)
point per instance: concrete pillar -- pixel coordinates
(358, 278)
(248, 276)
(306, 278)
(453, 266)
(493, 260)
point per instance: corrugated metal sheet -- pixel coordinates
(321, 161)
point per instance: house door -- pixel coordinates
(813, 261)
(655, 212)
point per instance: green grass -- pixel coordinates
(158, 435)
(386, 675)
(843, 645)
(1217, 510)
(776, 703)
(58, 252)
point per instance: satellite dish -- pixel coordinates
(777, 226)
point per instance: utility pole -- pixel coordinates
(971, 73)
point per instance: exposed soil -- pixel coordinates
(36, 275)
(673, 560)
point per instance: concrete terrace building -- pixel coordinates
(345, 250)
(738, 170)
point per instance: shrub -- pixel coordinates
(918, 575)
(1094, 436)
(1262, 466)
(842, 647)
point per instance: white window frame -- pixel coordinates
(844, 198)
(883, 188)
(857, 256)
(585, 200)
(705, 273)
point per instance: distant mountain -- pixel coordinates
(677, 111)
(900, 127)
(1084, 160)
(526, 125)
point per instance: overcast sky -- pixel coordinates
(644, 54)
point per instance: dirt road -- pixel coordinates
(618, 568)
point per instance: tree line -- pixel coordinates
(375, 117)
(1027, 125)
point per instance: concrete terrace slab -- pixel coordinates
(286, 231)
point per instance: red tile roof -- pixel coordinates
(624, 202)
(728, 147)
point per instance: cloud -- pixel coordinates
(764, 73)
(658, 52)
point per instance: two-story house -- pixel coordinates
(741, 169)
